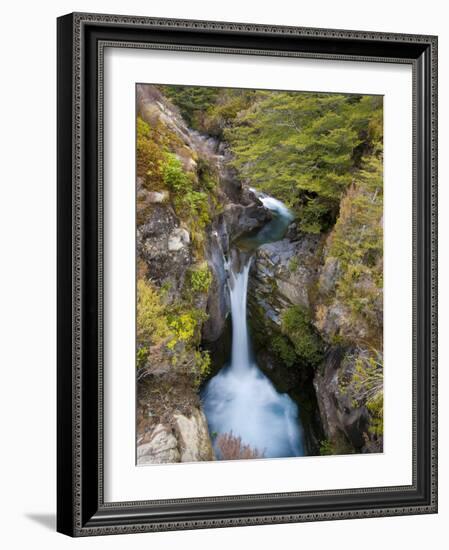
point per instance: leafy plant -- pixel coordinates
(141, 356)
(366, 385)
(282, 347)
(202, 365)
(326, 448)
(357, 243)
(151, 321)
(173, 174)
(201, 278)
(293, 264)
(149, 156)
(190, 204)
(183, 328)
(296, 324)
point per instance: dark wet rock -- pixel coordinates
(241, 219)
(345, 424)
(218, 306)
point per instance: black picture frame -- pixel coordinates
(81, 509)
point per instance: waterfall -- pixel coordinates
(238, 294)
(240, 398)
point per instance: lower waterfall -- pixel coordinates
(240, 399)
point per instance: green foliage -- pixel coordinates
(149, 156)
(151, 321)
(336, 446)
(141, 356)
(375, 407)
(174, 176)
(293, 264)
(357, 243)
(202, 366)
(190, 204)
(200, 278)
(326, 448)
(366, 386)
(207, 175)
(284, 349)
(183, 327)
(207, 109)
(226, 109)
(191, 101)
(296, 324)
(303, 148)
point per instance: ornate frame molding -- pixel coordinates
(81, 510)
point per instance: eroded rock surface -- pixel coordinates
(185, 440)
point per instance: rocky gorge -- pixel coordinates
(313, 341)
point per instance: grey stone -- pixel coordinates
(162, 447)
(178, 239)
(158, 196)
(193, 436)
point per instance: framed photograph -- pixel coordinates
(247, 279)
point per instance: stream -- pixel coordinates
(240, 398)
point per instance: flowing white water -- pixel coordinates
(240, 398)
(238, 294)
(275, 206)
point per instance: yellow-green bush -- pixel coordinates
(151, 321)
(149, 156)
(200, 278)
(183, 328)
(202, 366)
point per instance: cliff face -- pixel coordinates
(188, 213)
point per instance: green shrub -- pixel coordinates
(207, 175)
(190, 204)
(200, 278)
(367, 387)
(149, 156)
(191, 101)
(293, 264)
(173, 174)
(326, 448)
(357, 243)
(296, 324)
(183, 328)
(202, 366)
(151, 321)
(375, 407)
(282, 347)
(141, 356)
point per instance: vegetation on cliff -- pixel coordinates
(172, 324)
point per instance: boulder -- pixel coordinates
(178, 239)
(193, 437)
(158, 196)
(160, 447)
